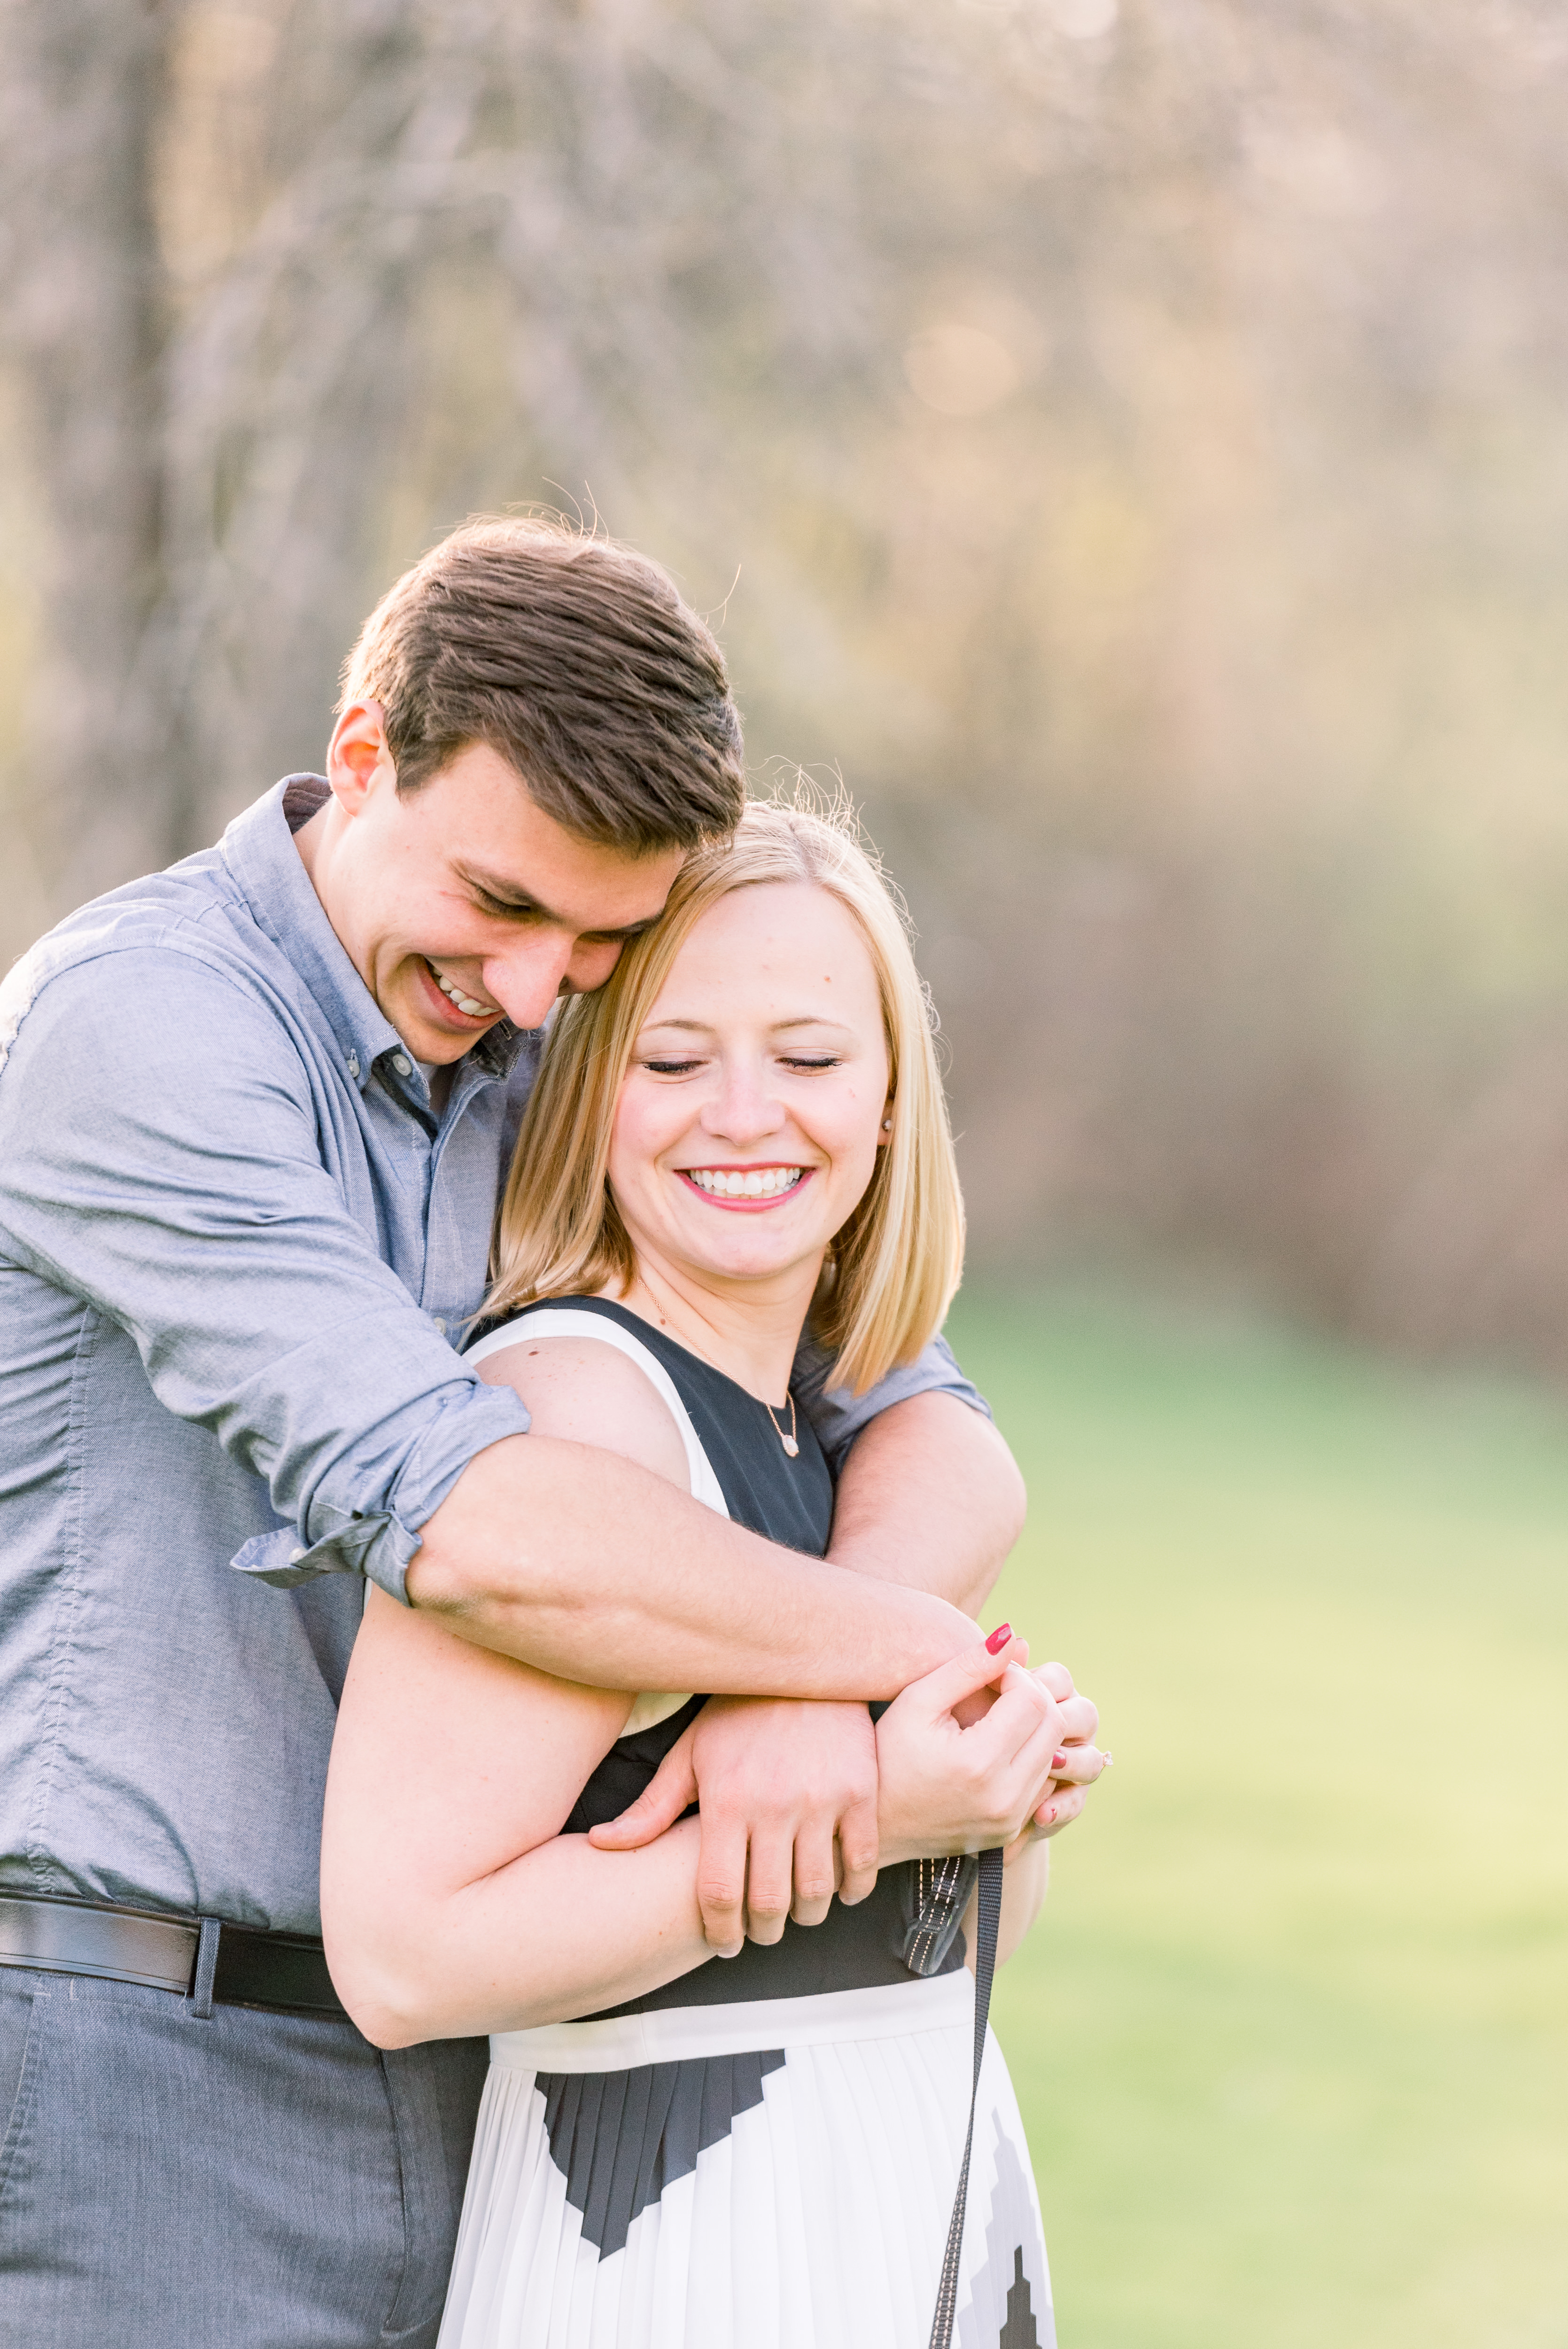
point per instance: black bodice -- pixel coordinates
(791, 1501)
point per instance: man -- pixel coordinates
(255, 1113)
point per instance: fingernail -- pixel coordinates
(999, 1638)
(1058, 1761)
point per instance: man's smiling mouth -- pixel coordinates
(744, 1182)
(459, 997)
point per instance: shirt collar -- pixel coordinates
(258, 850)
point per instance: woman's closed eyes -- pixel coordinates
(688, 1067)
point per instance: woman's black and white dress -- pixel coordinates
(761, 2155)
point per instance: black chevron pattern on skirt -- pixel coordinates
(619, 2138)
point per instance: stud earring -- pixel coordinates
(887, 1125)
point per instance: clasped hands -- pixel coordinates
(802, 1799)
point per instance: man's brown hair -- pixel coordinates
(576, 661)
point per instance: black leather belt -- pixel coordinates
(201, 1957)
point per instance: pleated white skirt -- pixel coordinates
(777, 2175)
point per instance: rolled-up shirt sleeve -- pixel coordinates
(839, 1416)
(170, 1158)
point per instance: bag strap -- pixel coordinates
(989, 1904)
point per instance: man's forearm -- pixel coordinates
(588, 1567)
(929, 1497)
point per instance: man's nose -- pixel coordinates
(526, 980)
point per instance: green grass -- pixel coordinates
(1291, 2035)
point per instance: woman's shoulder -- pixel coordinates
(582, 1385)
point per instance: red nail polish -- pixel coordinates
(999, 1638)
(1058, 1761)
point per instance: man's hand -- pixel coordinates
(789, 1797)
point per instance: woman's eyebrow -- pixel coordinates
(776, 1026)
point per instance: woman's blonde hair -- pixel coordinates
(893, 1265)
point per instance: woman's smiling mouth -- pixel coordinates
(745, 1187)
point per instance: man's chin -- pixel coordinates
(437, 1046)
(423, 1042)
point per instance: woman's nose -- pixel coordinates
(744, 1109)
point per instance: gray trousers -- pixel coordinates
(247, 2181)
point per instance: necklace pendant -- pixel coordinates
(790, 1446)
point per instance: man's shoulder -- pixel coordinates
(169, 939)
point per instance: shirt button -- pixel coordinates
(440, 1325)
(404, 1067)
(296, 1555)
(354, 1064)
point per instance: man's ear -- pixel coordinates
(357, 757)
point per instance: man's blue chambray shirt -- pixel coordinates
(237, 1252)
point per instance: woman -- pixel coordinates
(743, 1127)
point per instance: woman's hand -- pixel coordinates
(945, 1787)
(1077, 1762)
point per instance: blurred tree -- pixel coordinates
(277, 273)
(1133, 436)
(80, 104)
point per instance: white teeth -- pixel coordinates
(464, 1002)
(755, 1183)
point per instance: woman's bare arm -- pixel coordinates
(454, 1770)
(451, 1902)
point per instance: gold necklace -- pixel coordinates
(789, 1443)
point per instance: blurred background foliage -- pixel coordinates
(1127, 443)
(1290, 2039)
